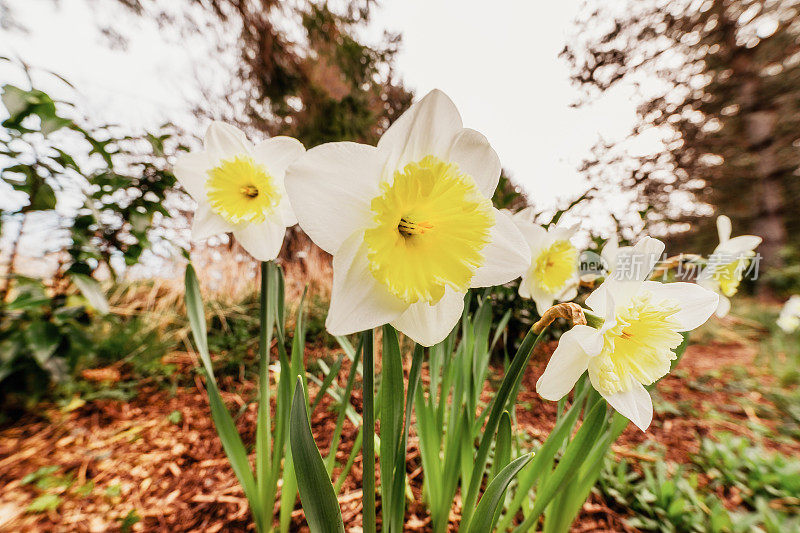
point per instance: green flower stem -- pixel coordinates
(264, 422)
(509, 384)
(368, 444)
(574, 456)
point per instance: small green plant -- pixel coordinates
(45, 502)
(663, 496)
(129, 520)
(732, 461)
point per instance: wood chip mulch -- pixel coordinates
(135, 458)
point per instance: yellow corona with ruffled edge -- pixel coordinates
(640, 346)
(555, 266)
(241, 190)
(431, 225)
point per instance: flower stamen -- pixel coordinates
(250, 191)
(408, 228)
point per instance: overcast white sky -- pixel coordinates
(498, 62)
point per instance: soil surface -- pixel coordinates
(173, 472)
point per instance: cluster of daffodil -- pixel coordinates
(411, 228)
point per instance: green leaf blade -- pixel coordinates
(316, 491)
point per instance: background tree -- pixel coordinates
(721, 86)
(301, 68)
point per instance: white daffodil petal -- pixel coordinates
(739, 245)
(428, 127)
(191, 170)
(723, 307)
(287, 213)
(570, 291)
(524, 287)
(223, 141)
(634, 404)
(475, 156)
(262, 241)
(568, 362)
(627, 279)
(535, 235)
(649, 251)
(506, 256)
(724, 228)
(331, 187)
(277, 153)
(358, 301)
(207, 223)
(526, 214)
(428, 324)
(543, 300)
(696, 303)
(610, 251)
(563, 233)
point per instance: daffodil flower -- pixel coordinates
(789, 318)
(635, 346)
(553, 271)
(727, 264)
(239, 188)
(410, 223)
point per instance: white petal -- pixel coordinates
(428, 325)
(627, 278)
(223, 141)
(263, 241)
(475, 156)
(543, 300)
(277, 153)
(535, 235)
(358, 301)
(570, 291)
(697, 303)
(506, 256)
(191, 170)
(568, 362)
(331, 187)
(739, 245)
(562, 233)
(610, 250)
(207, 223)
(723, 307)
(634, 404)
(526, 214)
(286, 211)
(524, 286)
(428, 127)
(723, 228)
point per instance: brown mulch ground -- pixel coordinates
(176, 477)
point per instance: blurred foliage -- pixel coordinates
(663, 496)
(785, 280)
(120, 184)
(723, 91)
(509, 195)
(732, 461)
